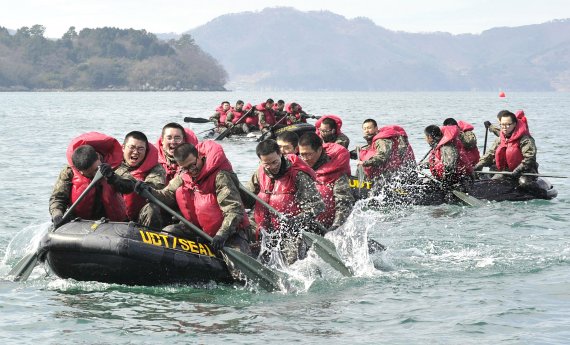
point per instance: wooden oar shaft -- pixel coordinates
(524, 174)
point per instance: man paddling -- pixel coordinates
(236, 123)
(266, 115)
(514, 151)
(288, 143)
(140, 163)
(447, 160)
(287, 184)
(329, 129)
(467, 137)
(331, 163)
(206, 192)
(173, 134)
(86, 154)
(388, 156)
(220, 115)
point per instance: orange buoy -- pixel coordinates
(501, 94)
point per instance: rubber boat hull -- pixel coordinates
(127, 253)
(299, 128)
(426, 194)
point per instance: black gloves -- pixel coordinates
(478, 167)
(218, 242)
(56, 219)
(487, 124)
(107, 172)
(518, 171)
(140, 187)
(353, 154)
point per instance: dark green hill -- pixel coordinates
(105, 58)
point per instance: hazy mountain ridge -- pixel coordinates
(283, 48)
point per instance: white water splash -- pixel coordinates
(26, 241)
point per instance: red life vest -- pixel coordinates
(250, 119)
(463, 167)
(197, 199)
(395, 162)
(223, 114)
(508, 155)
(522, 117)
(112, 153)
(172, 169)
(279, 193)
(335, 118)
(472, 153)
(269, 114)
(326, 176)
(297, 114)
(134, 201)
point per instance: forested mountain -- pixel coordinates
(104, 58)
(283, 48)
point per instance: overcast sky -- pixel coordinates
(161, 16)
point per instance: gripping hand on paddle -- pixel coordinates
(56, 219)
(219, 241)
(141, 187)
(107, 172)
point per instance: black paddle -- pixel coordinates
(196, 120)
(227, 131)
(324, 248)
(270, 130)
(26, 265)
(468, 199)
(253, 269)
(523, 174)
(485, 143)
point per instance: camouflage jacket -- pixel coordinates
(528, 149)
(227, 196)
(343, 198)
(156, 177)
(468, 139)
(60, 198)
(307, 196)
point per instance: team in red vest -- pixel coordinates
(140, 163)
(447, 160)
(514, 150)
(286, 183)
(85, 155)
(173, 134)
(331, 163)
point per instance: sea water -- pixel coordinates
(451, 274)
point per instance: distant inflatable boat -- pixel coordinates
(488, 189)
(299, 128)
(127, 253)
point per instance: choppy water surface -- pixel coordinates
(451, 274)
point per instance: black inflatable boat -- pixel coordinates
(424, 193)
(127, 253)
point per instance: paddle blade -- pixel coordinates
(326, 250)
(224, 134)
(196, 119)
(24, 267)
(375, 246)
(264, 276)
(468, 199)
